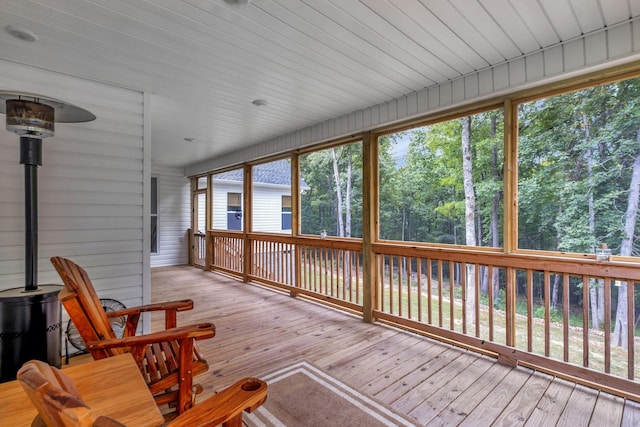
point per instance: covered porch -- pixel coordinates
(259, 330)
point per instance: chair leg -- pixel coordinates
(234, 422)
(185, 392)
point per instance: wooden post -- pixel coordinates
(190, 243)
(510, 176)
(246, 224)
(369, 224)
(296, 219)
(208, 263)
(510, 211)
(194, 221)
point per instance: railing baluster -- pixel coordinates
(381, 294)
(631, 309)
(565, 316)
(585, 320)
(452, 282)
(547, 314)
(476, 281)
(400, 291)
(607, 324)
(429, 290)
(419, 286)
(490, 290)
(529, 310)
(463, 288)
(440, 285)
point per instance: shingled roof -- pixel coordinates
(277, 172)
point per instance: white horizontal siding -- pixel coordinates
(90, 187)
(173, 216)
(267, 208)
(611, 46)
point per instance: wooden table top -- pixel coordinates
(112, 387)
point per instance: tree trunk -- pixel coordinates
(554, 292)
(347, 230)
(600, 300)
(469, 209)
(596, 293)
(621, 330)
(336, 178)
(593, 296)
(495, 203)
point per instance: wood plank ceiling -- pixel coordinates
(205, 61)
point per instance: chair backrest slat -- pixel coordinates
(86, 311)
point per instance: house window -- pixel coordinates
(286, 212)
(234, 211)
(154, 215)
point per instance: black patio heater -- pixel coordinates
(30, 318)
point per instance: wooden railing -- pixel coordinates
(325, 269)
(524, 309)
(486, 301)
(199, 249)
(228, 251)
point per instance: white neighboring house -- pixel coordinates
(271, 198)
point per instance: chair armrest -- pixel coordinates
(181, 305)
(198, 332)
(170, 309)
(245, 395)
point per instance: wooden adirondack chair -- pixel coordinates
(59, 403)
(168, 360)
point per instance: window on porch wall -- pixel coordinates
(154, 215)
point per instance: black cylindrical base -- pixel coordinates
(30, 328)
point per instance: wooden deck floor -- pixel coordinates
(259, 330)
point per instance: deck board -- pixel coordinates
(259, 330)
(579, 407)
(552, 404)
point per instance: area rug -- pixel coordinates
(304, 395)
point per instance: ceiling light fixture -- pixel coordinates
(259, 102)
(237, 2)
(21, 33)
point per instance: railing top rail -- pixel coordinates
(524, 261)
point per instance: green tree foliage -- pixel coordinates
(319, 210)
(573, 148)
(422, 194)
